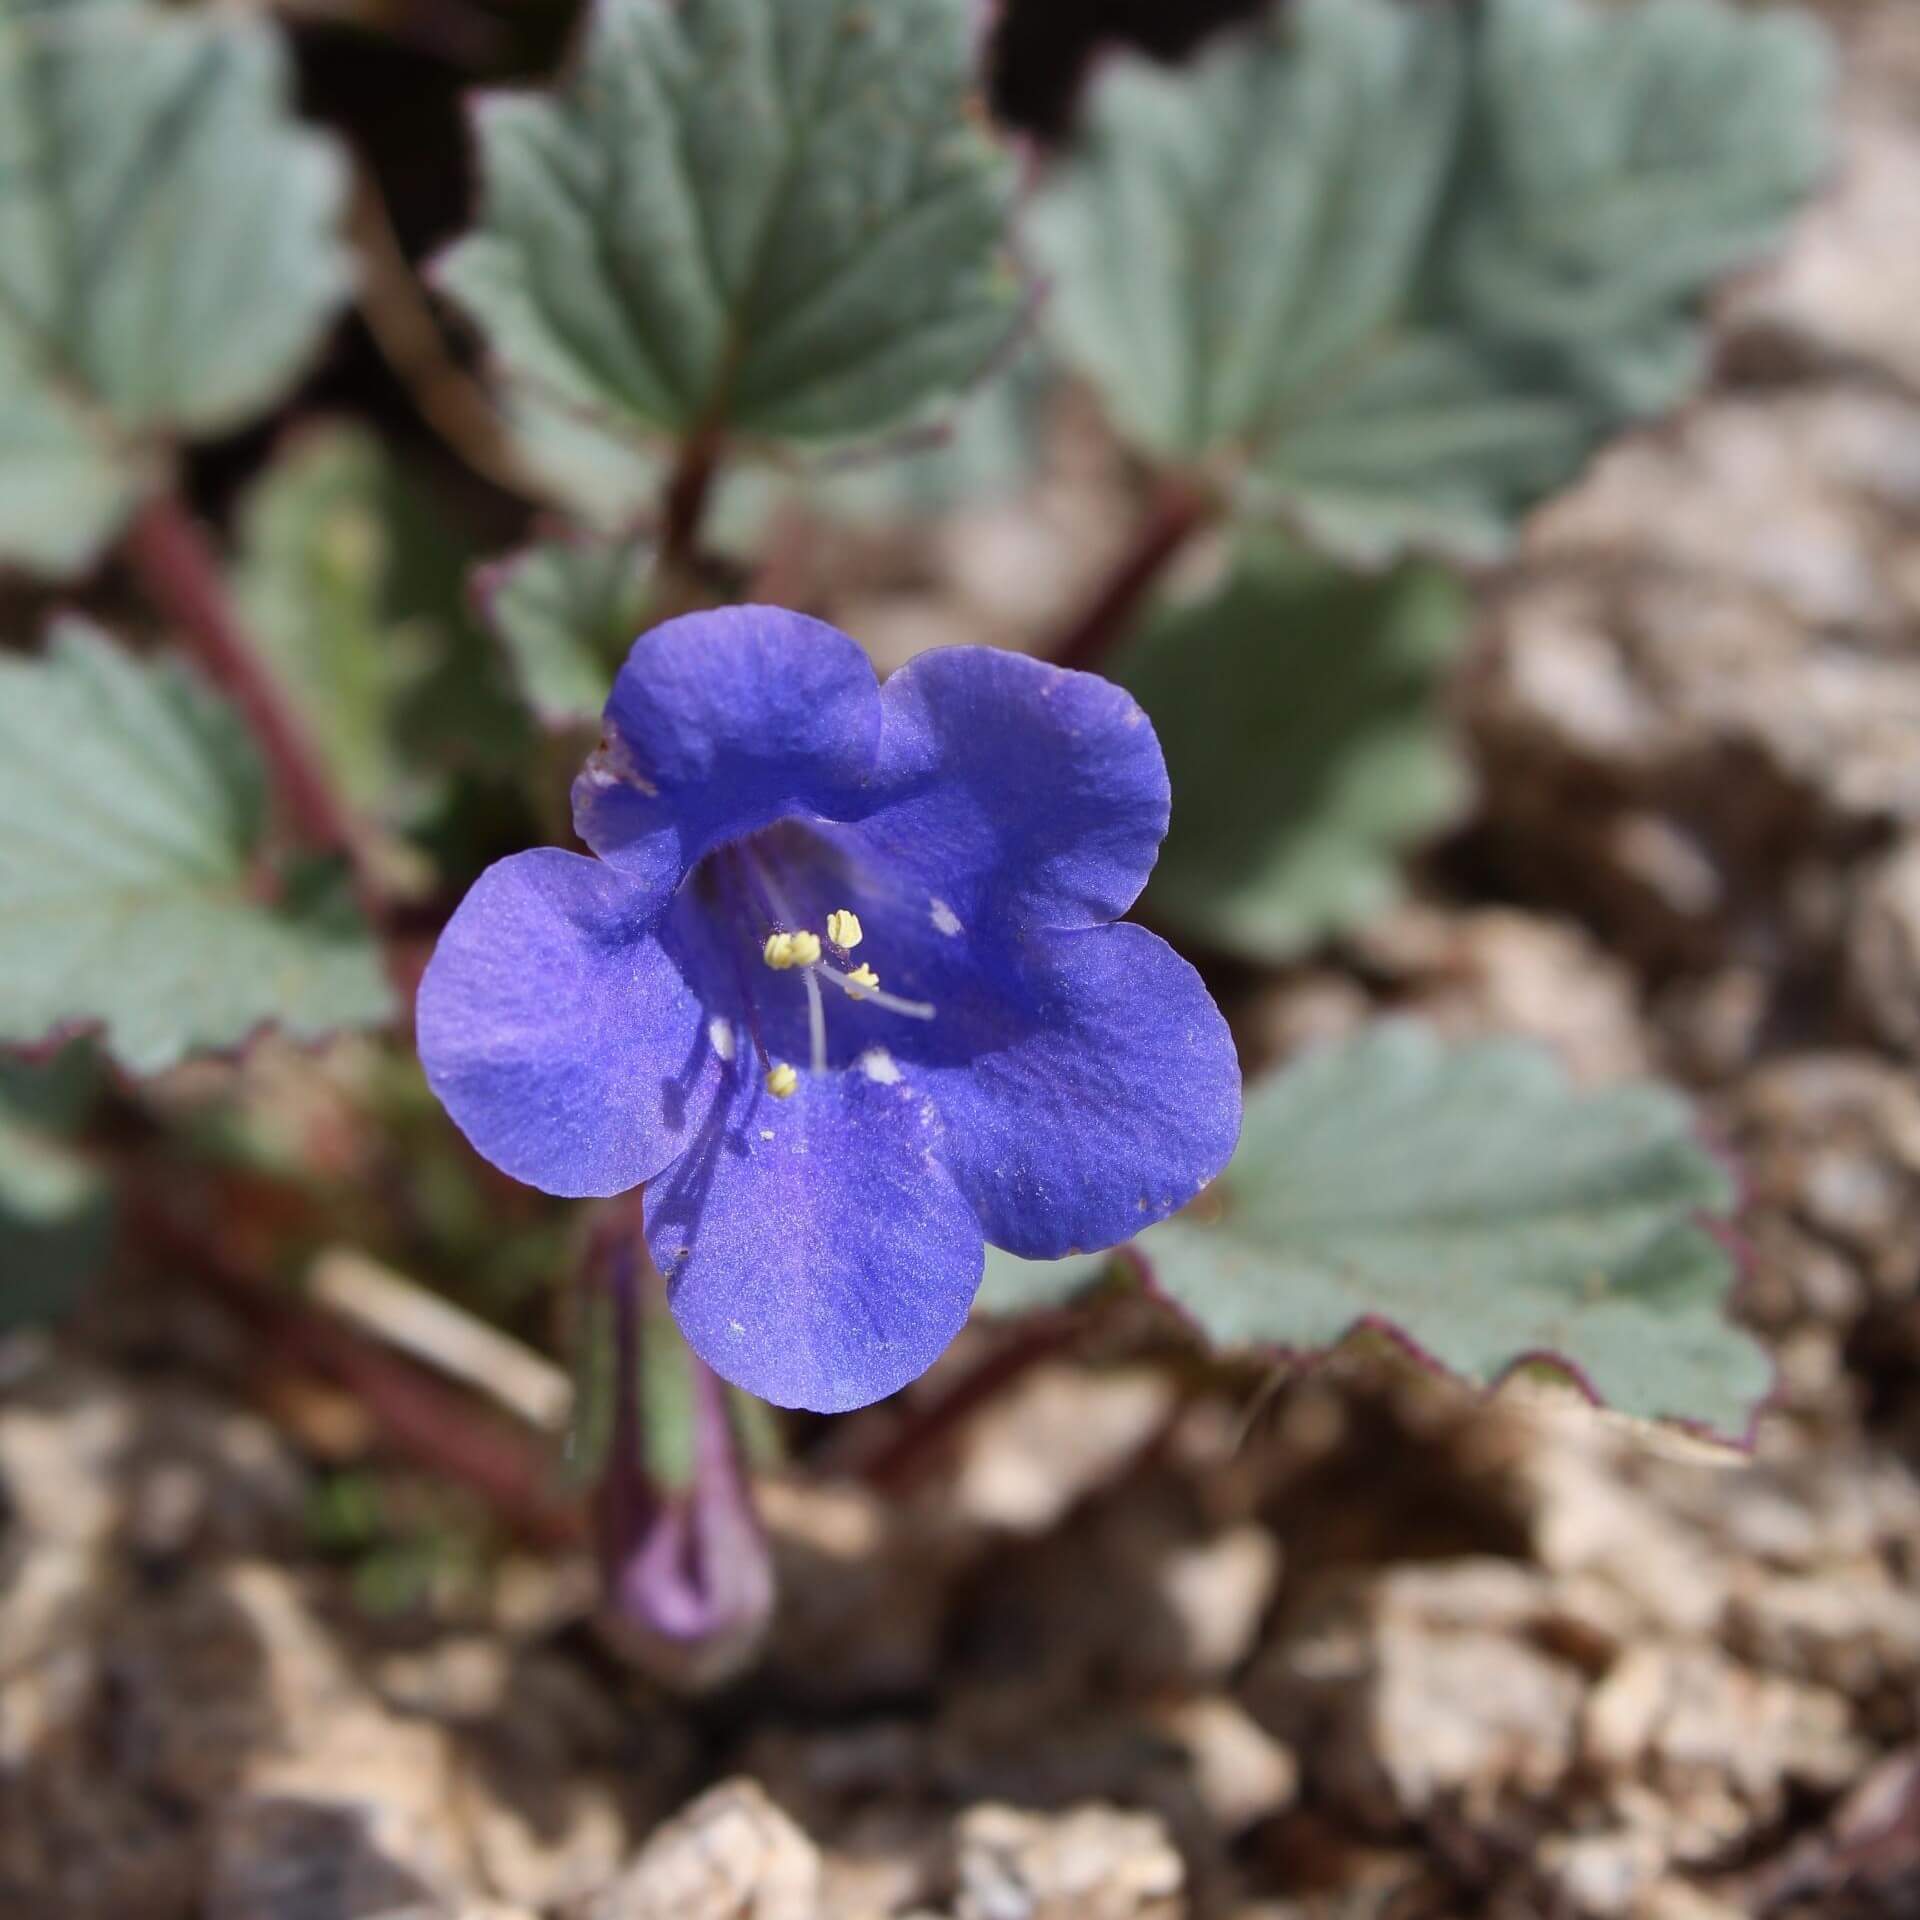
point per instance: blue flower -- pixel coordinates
(842, 990)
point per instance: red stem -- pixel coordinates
(685, 504)
(438, 1428)
(178, 570)
(1179, 510)
(904, 1459)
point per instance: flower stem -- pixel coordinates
(180, 574)
(686, 1575)
(1179, 509)
(683, 507)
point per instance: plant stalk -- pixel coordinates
(1179, 509)
(683, 507)
(439, 1429)
(178, 570)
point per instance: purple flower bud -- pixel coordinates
(686, 1578)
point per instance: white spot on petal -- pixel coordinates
(945, 920)
(721, 1034)
(878, 1065)
(766, 1133)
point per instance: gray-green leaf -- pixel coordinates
(1630, 156)
(131, 870)
(1394, 270)
(168, 254)
(317, 582)
(1300, 714)
(745, 215)
(1473, 1200)
(566, 611)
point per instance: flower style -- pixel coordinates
(827, 1142)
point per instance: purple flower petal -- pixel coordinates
(719, 723)
(1114, 1104)
(816, 1251)
(558, 1033)
(1019, 1070)
(1030, 795)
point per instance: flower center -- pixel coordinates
(821, 958)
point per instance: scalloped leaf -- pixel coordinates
(567, 610)
(168, 254)
(319, 579)
(1473, 1200)
(1300, 712)
(1630, 158)
(1395, 270)
(133, 876)
(745, 216)
(56, 1209)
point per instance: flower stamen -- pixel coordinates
(782, 1080)
(843, 929)
(787, 950)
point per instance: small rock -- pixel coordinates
(1719, 1743)
(1848, 1630)
(1883, 948)
(289, 1858)
(1395, 1712)
(1681, 1900)
(1062, 1433)
(544, 1842)
(730, 1855)
(1602, 1875)
(1218, 1591)
(1089, 1863)
(1497, 971)
(1470, 1715)
(1242, 1774)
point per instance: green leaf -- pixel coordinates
(1629, 158)
(355, 586)
(56, 1212)
(745, 215)
(318, 581)
(168, 254)
(1471, 1199)
(989, 449)
(1300, 714)
(1229, 237)
(131, 870)
(1013, 1286)
(567, 610)
(1394, 269)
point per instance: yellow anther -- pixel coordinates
(843, 928)
(781, 1081)
(862, 979)
(784, 950)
